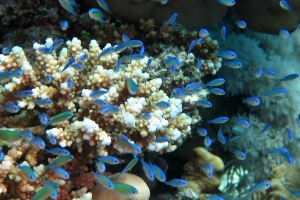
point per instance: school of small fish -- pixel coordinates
(174, 64)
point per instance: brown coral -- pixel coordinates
(197, 180)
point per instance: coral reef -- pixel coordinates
(284, 178)
(198, 181)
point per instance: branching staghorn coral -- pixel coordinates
(88, 124)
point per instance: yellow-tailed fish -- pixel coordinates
(60, 118)
(60, 161)
(125, 189)
(9, 135)
(27, 172)
(104, 181)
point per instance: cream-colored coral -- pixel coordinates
(88, 127)
(198, 181)
(130, 179)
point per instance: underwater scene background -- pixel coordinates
(149, 99)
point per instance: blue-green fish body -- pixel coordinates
(9, 135)
(6, 75)
(104, 181)
(203, 103)
(241, 23)
(172, 20)
(10, 107)
(260, 187)
(58, 151)
(215, 82)
(124, 144)
(213, 197)
(60, 118)
(252, 101)
(268, 72)
(17, 73)
(163, 104)
(219, 120)
(24, 94)
(158, 173)
(124, 189)
(278, 92)
(221, 137)
(67, 6)
(285, 5)
(51, 188)
(134, 57)
(103, 5)
(172, 61)
(233, 64)
(69, 63)
(106, 52)
(290, 77)
(147, 116)
(243, 123)
(77, 66)
(223, 32)
(217, 91)
(27, 172)
(284, 33)
(60, 161)
(161, 140)
(179, 183)
(27, 135)
(95, 94)
(239, 154)
(147, 169)
(203, 33)
(109, 160)
(43, 193)
(100, 102)
(129, 166)
(132, 86)
(133, 43)
(202, 132)
(229, 55)
(227, 2)
(61, 173)
(97, 15)
(43, 102)
(100, 166)
(109, 110)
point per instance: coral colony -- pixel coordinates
(130, 109)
